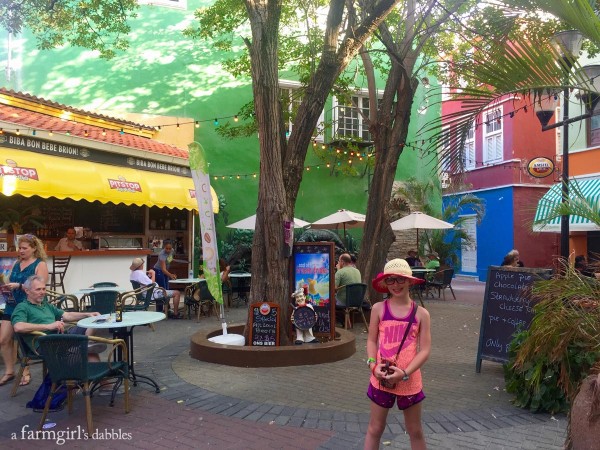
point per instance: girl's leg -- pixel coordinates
(376, 426)
(414, 428)
(7, 348)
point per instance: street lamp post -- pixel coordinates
(568, 44)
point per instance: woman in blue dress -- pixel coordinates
(31, 261)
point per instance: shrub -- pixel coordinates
(548, 362)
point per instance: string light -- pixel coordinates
(216, 122)
(18, 132)
(197, 124)
(235, 118)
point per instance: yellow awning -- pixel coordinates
(28, 174)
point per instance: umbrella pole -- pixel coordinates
(418, 241)
(223, 321)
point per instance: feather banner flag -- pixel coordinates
(210, 256)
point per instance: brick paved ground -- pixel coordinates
(204, 405)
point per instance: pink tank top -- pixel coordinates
(391, 332)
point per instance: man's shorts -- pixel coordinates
(386, 399)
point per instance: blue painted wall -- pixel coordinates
(495, 234)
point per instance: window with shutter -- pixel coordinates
(492, 136)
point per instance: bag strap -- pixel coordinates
(411, 319)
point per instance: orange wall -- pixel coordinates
(584, 163)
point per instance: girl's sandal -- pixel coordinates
(25, 380)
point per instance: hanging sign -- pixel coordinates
(540, 167)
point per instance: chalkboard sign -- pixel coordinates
(312, 270)
(507, 308)
(264, 324)
(304, 318)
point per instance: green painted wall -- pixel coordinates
(164, 73)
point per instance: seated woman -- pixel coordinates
(512, 259)
(145, 278)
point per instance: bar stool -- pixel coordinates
(56, 277)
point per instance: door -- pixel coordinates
(469, 249)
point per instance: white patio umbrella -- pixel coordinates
(249, 223)
(348, 219)
(419, 221)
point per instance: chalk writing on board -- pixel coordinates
(265, 324)
(507, 308)
(323, 320)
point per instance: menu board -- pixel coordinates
(264, 324)
(507, 308)
(312, 271)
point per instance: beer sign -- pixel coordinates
(540, 167)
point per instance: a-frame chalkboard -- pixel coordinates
(507, 307)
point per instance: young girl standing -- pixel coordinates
(405, 350)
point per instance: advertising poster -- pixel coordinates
(313, 272)
(6, 265)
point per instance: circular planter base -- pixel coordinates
(202, 349)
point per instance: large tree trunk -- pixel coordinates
(281, 162)
(389, 134)
(269, 265)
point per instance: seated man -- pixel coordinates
(346, 274)
(36, 314)
(433, 262)
(69, 243)
(145, 278)
(412, 259)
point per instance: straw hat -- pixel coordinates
(434, 254)
(136, 263)
(395, 267)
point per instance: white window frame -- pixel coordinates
(493, 136)
(176, 4)
(356, 120)
(469, 149)
(290, 87)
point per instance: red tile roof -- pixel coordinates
(30, 120)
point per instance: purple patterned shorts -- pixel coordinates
(387, 399)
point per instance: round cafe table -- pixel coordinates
(124, 330)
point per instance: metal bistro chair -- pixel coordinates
(26, 356)
(239, 286)
(66, 302)
(355, 296)
(419, 289)
(139, 299)
(100, 301)
(442, 280)
(157, 296)
(197, 298)
(66, 358)
(56, 277)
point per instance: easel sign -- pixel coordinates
(312, 270)
(507, 308)
(264, 324)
